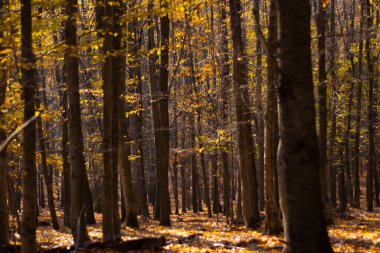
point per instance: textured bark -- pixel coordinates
(162, 130)
(124, 147)
(29, 180)
(322, 110)
(109, 233)
(77, 162)
(244, 128)
(298, 154)
(259, 106)
(66, 196)
(4, 236)
(272, 224)
(226, 84)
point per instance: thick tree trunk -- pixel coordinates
(109, 227)
(244, 128)
(272, 224)
(77, 162)
(298, 154)
(162, 130)
(29, 180)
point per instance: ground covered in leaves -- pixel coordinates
(355, 231)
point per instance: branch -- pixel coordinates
(17, 131)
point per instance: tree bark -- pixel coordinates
(272, 224)
(322, 110)
(29, 86)
(77, 162)
(298, 154)
(244, 128)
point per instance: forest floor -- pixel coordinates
(355, 231)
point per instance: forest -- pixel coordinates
(189, 126)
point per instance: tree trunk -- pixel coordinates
(370, 110)
(259, 105)
(322, 110)
(272, 224)
(216, 208)
(183, 165)
(4, 236)
(244, 128)
(29, 86)
(225, 89)
(162, 129)
(46, 173)
(356, 198)
(298, 154)
(330, 152)
(77, 162)
(124, 147)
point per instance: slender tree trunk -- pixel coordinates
(215, 185)
(124, 149)
(225, 89)
(322, 110)
(332, 133)
(46, 173)
(272, 224)
(162, 130)
(183, 165)
(342, 182)
(194, 168)
(259, 106)
(370, 110)
(204, 169)
(77, 162)
(356, 198)
(298, 154)
(29, 86)
(4, 236)
(244, 128)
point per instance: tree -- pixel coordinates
(161, 124)
(76, 148)
(298, 154)
(272, 224)
(4, 237)
(244, 128)
(29, 84)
